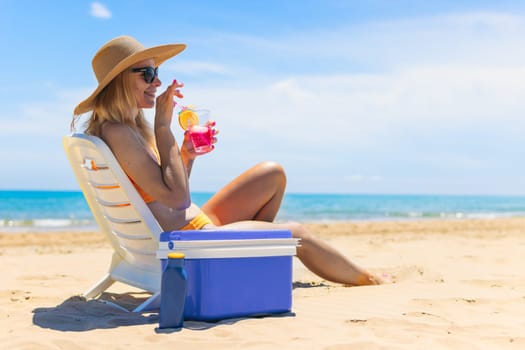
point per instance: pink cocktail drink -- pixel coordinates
(201, 137)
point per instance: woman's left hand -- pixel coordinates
(187, 146)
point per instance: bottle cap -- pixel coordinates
(176, 255)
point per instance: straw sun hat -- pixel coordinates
(117, 55)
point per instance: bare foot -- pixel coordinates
(366, 279)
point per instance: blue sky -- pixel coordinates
(350, 96)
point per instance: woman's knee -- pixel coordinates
(274, 171)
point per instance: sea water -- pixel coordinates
(44, 210)
(68, 210)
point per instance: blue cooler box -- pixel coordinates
(233, 273)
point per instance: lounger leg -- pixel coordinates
(152, 303)
(99, 287)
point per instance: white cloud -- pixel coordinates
(100, 10)
(362, 109)
(458, 72)
(438, 121)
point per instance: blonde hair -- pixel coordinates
(112, 105)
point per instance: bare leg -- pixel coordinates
(254, 195)
(252, 201)
(328, 263)
(317, 256)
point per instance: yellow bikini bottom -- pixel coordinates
(197, 222)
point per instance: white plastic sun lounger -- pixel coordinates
(121, 214)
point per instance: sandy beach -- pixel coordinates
(451, 285)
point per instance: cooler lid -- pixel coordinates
(218, 234)
(233, 248)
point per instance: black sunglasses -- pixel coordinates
(150, 73)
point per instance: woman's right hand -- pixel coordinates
(164, 103)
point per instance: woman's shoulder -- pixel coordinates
(111, 130)
(117, 133)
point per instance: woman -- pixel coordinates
(127, 75)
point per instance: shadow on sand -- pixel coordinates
(310, 285)
(77, 314)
